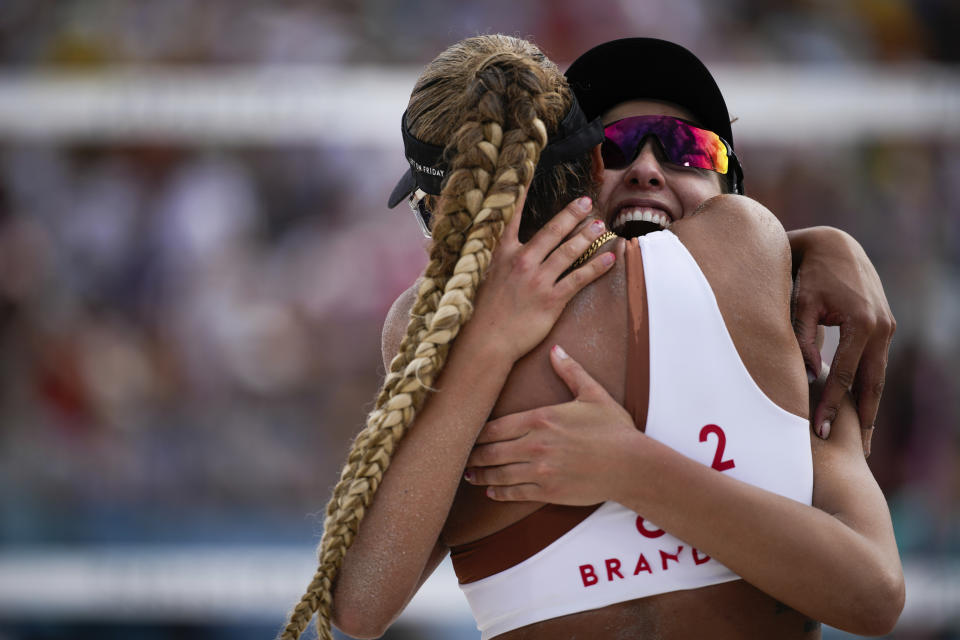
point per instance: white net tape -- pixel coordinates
(362, 106)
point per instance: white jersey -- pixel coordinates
(702, 403)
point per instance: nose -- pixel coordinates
(646, 171)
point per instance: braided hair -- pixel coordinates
(490, 100)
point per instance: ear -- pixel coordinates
(597, 171)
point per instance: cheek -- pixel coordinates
(606, 187)
(696, 192)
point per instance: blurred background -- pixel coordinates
(196, 256)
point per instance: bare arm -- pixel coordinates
(836, 561)
(397, 545)
(836, 284)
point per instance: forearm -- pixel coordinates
(812, 561)
(823, 240)
(386, 562)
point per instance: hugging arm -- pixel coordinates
(397, 545)
(837, 285)
(835, 561)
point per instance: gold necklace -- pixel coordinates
(592, 249)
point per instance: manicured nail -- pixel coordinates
(607, 258)
(810, 376)
(824, 432)
(597, 226)
(584, 203)
(468, 475)
(557, 349)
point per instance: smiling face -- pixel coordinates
(651, 193)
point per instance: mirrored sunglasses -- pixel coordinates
(683, 144)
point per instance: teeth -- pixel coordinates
(641, 214)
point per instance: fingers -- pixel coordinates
(805, 327)
(516, 493)
(501, 475)
(506, 483)
(580, 277)
(573, 375)
(873, 371)
(497, 453)
(568, 252)
(840, 380)
(511, 232)
(509, 427)
(866, 436)
(869, 383)
(553, 233)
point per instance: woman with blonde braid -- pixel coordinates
(497, 100)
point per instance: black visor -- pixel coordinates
(574, 136)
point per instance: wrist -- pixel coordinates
(810, 241)
(633, 467)
(485, 350)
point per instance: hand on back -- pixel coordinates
(523, 294)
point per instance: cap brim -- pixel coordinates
(648, 69)
(404, 188)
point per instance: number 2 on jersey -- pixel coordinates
(718, 462)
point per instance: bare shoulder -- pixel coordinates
(734, 238)
(395, 324)
(744, 253)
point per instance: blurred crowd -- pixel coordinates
(188, 32)
(189, 336)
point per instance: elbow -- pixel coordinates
(363, 615)
(894, 594)
(360, 609)
(880, 606)
(357, 623)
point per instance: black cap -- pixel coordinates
(427, 167)
(653, 69)
(648, 69)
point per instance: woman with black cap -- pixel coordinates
(393, 554)
(712, 375)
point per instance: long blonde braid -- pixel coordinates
(511, 92)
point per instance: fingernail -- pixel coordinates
(557, 349)
(597, 226)
(824, 432)
(810, 376)
(468, 476)
(583, 203)
(607, 258)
